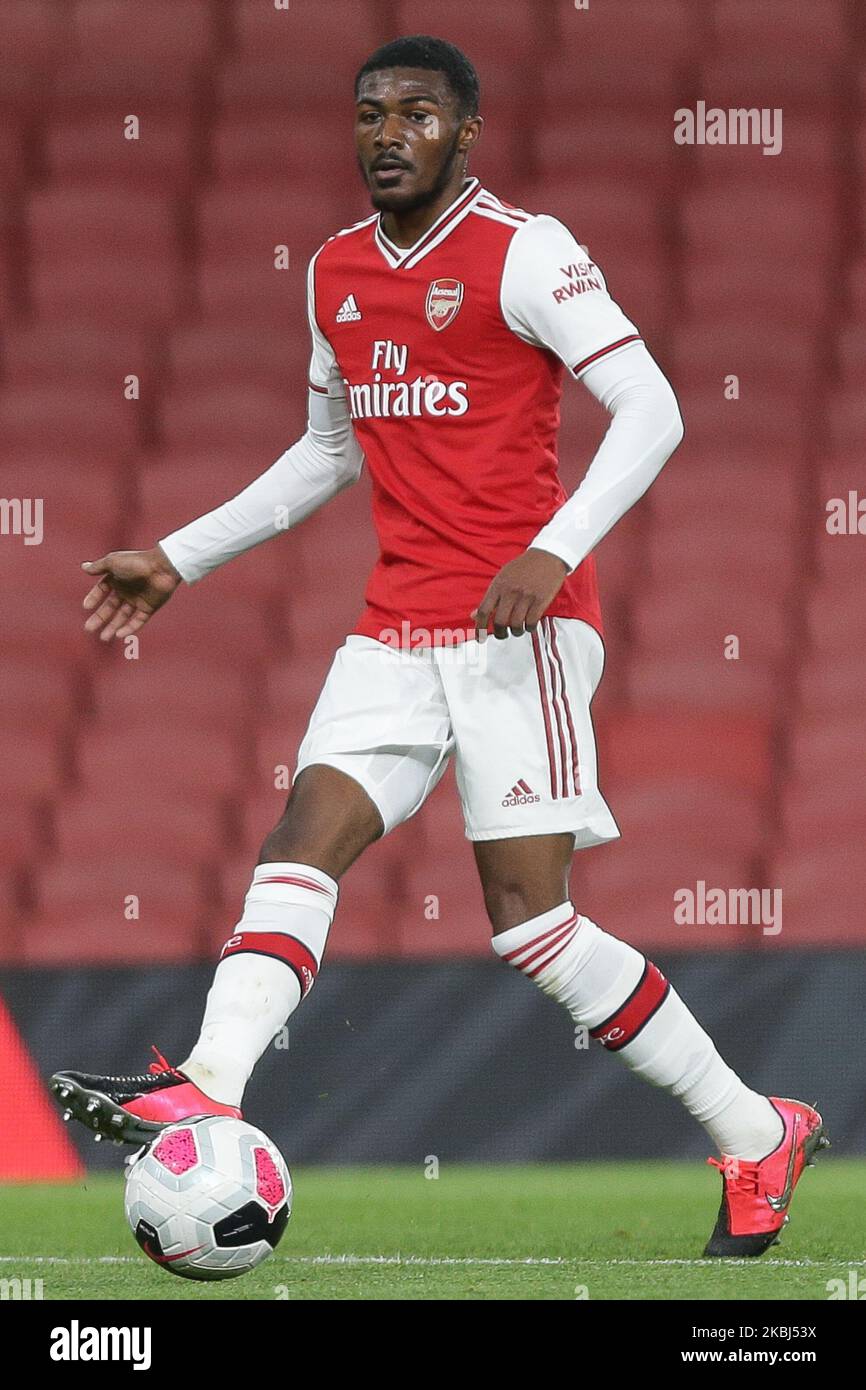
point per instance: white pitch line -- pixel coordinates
(432, 1261)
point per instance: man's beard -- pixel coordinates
(424, 199)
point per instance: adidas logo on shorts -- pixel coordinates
(348, 311)
(521, 794)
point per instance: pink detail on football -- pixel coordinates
(269, 1184)
(177, 1152)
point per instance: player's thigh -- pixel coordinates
(382, 720)
(395, 781)
(526, 757)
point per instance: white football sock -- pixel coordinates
(627, 1004)
(265, 970)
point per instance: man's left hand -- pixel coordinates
(520, 594)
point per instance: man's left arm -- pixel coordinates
(602, 348)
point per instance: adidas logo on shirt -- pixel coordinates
(348, 311)
(521, 794)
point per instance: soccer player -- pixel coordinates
(442, 327)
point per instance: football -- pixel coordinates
(209, 1198)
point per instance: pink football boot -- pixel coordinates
(133, 1109)
(756, 1195)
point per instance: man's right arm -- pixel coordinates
(323, 462)
(132, 584)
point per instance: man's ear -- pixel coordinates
(471, 134)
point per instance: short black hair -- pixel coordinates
(422, 51)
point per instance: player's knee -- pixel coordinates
(512, 902)
(509, 904)
(324, 824)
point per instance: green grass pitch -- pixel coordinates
(594, 1230)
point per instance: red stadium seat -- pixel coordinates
(252, 148)
(444, 911)
(216, 417)
(175, 32)
(212, 627)
(736, 79)
(852, 352)
(694, 816)
(22, 839)
(832, 685)
(43, 415)
(97, 934)
(619, 561)
(600, 144)
(341, 32)
(716, 279)
(292, 687)
(161, 762)
(752, 26)
(733, 750)
(804, 158)
(759, 481)
(822, 888)
(144, 291)
(822, 743)
(268, 215)
(771, 415)
(33, 352)
(65, 222)
(249, 291)
(857, 287)
(88, 149)
(185, 693)
(31, 763)
(178, 834)
(635, 900)
(86, 84)
(600, 215)
(847, 417)
(38, 617)
(12, 154)
(835, 615)
(271, 359)
(372, 907)
(706, 351)
(696, 681)
(669, 619)
(817, 814)
(38, 695)
(772, 222)
(35, 32)
(729, 559)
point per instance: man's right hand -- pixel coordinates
(132, 585)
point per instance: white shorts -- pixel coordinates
(515, 713)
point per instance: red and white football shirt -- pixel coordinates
(451, 355)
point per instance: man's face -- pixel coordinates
(409, 136)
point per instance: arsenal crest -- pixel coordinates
(444, 298)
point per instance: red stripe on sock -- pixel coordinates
(280, 946)
(542, 965)
(623, 1026)
(544, 936)
(300, 882)
(566, 930)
